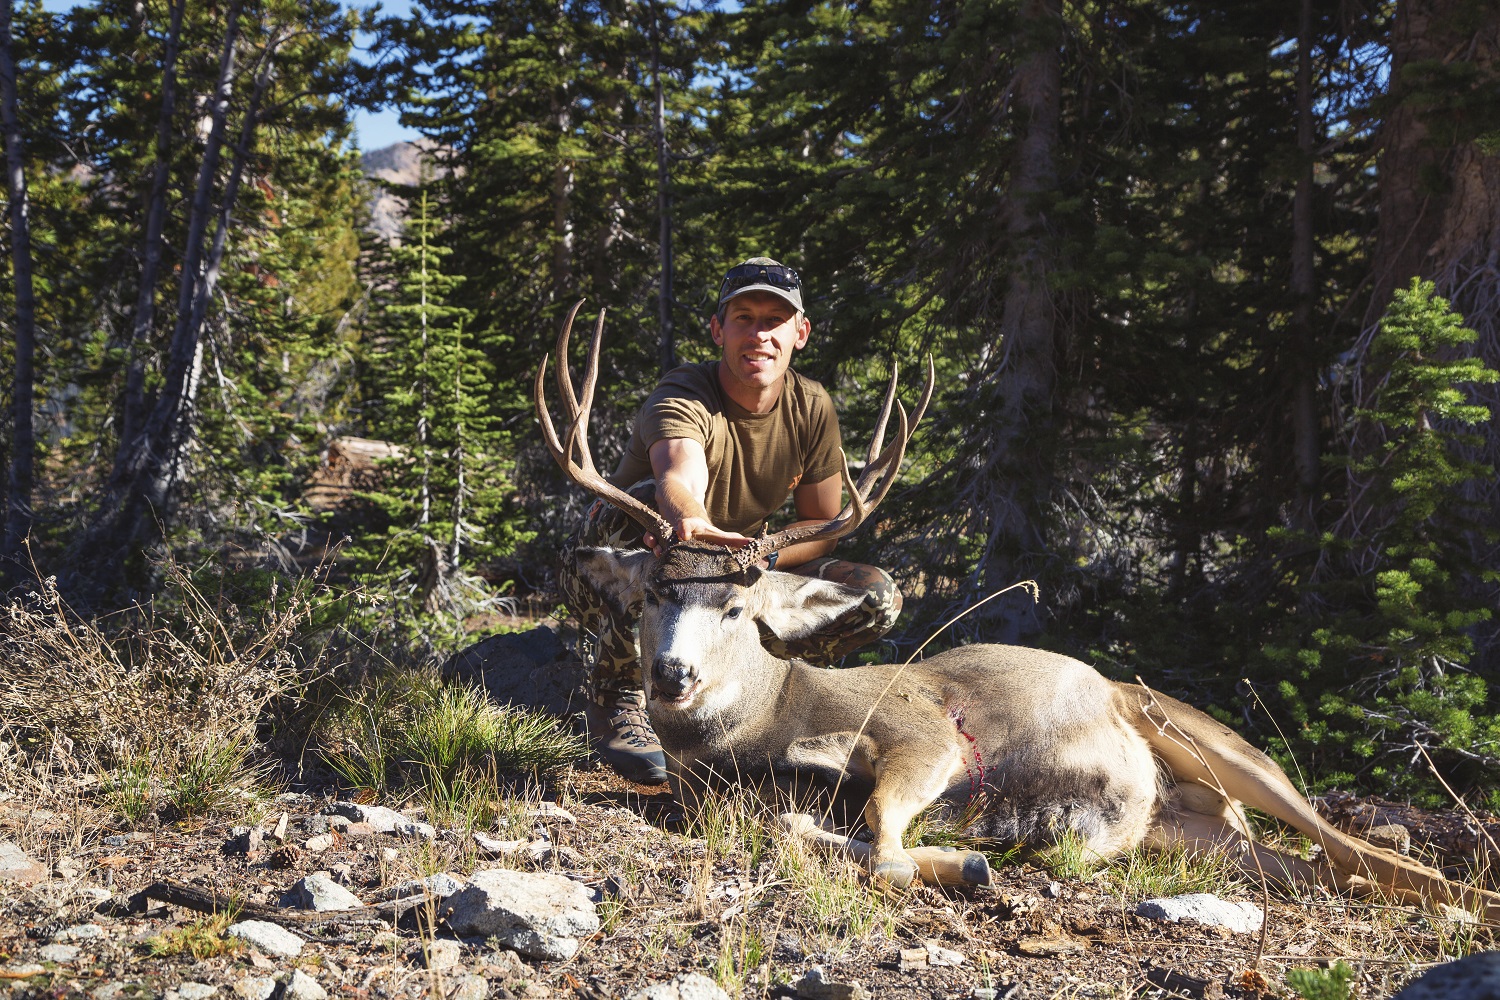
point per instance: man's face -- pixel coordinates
(758, 334)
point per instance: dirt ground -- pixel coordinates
(671, 903)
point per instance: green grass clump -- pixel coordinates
(406, 733)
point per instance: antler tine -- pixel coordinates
(877, 440)
(583, 471)
(875, 481)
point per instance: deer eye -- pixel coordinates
(652, 599)
(733, 613)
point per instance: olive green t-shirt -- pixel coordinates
(755, 460)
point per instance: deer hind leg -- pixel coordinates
(1203, 822)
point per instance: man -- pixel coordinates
(717, 449)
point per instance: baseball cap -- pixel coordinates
(762, 274)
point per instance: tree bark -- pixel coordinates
(667, 342)
(134, 410)
(1306, 425)
(1017, 479)
(23, 435)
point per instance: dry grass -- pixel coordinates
(160, 707)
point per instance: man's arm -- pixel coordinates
(681, 471)
(818, 501)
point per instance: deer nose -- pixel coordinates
(672, 677)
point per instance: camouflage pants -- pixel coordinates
(616, 665)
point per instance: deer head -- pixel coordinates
(703, 606)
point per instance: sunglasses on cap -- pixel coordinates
(745, 275)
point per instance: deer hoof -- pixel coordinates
(895, 873)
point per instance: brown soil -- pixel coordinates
(669, 909)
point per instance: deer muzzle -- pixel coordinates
(672, 679)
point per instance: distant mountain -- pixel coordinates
(401, 163)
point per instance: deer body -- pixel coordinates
(1023, 745)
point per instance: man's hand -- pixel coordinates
(699, 529)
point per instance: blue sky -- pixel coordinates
(374, 130)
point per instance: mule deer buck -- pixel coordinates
(1026, 746)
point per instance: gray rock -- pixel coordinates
(937, 955)
(411, 829)
(316, 825)
(301, 986)
(16, 866)
(378, 818)
(109, 991)
(80, 932)
(688, 986)
(320, 892)
(245, 840)
(540, 915)
(196, 991)
(1205, 908)
(442, 885)
(469, 987)
(1476, 977)
(817, 986)
(255, 988)
(319, 844)
(268, 937)
(62, 954)
(441, 954)
(531, 669)
(116, 840)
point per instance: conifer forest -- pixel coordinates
(1212, 288)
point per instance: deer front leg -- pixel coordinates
(907, 781)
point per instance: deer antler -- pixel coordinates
(880, 472)
(582, 471)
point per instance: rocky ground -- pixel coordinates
(602, 898)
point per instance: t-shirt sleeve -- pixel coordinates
(824, 458)
(667, 414)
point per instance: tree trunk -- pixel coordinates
(1016, 479)
(1440, 219)
(134, 410)
(1306, 425)
(23, 433)
(667, 342)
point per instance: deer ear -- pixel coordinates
(794, 606)
(617, 575)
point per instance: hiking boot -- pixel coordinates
(621, 733)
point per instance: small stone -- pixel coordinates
(938, 956)
(67, 867)
(23, 971)
(268, 937)
(985, 993)
(385, 941)
(469, 987)
(246, 840)
(688, 986)
(255, 988)
(497, 848)
(339, 824)
(279, 831)
(379, 819)
(540, 915)
(1391, 836)
(109, 991)
(16, 866)
(1053, 946)
(505, 966)
(912, 959)
(816, 985)
(80, 932)
(301, 986)
(343, 871)
(414, 830)
(1053, 890)
(62, 954)
(115, 840)
(320, 892)
(196, 991)
(95, 894)
(536, 991)
(442, 885)
(319, 844)
(1207, 909)
(552, 813)
(441, 954)
(316, 825)
(389, 855)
